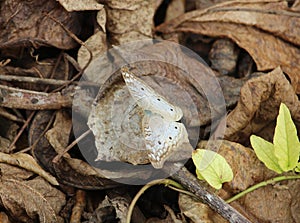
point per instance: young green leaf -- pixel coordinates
(286, 142)
(297, 169)
(265, 152)
(212, 167)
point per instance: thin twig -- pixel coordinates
(78, 41)
(190, 182)
(58, 156)
(21, 131)
(46, 81)
(144, 188)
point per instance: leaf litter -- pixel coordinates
(262, 30)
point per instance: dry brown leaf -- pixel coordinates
(129, 21)
(4, 218)
(273, 204)
(24, 203)
(296, 6)
(265, 29)
(96, 44)
(202, 4)
(197, 211)
(37, 29)
(10, 171)
(175, 8)
(58, 136)
(101, 19)
(55, 198)
(80, 5)
(224, 56)
(5, 144)
(258, 105)
(27, 162)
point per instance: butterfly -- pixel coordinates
(163, 135)
(148, 99)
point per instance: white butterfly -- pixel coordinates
(148, 99)
(163, 135)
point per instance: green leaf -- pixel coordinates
(199, 176)
(212, 167)
(265, 152)
(297, 169)
(286, 142)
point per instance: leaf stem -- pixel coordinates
(262, 184)
(144, 188)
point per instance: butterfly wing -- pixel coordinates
(148, 99)
(162, 137)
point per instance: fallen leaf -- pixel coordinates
(130, 20)
(25, 203)
(197, 211)
(27, 162)
(96, 44)
(80, 5)
(250, 24)
(59, 135)
(258, 106)
(37, 29)
(175, 8)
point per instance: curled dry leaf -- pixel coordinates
(59, 135)
(250, 24)
(258, 105)
(25, 203)
(45, 153)
(80, 5)
(37, 29)
(27, 162)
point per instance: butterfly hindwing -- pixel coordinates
(162, 137)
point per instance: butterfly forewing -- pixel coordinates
(148, 99)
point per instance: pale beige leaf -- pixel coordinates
(80, 5)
